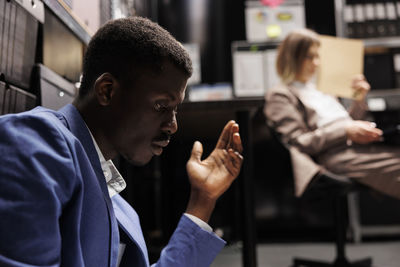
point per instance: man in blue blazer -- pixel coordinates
(59, 201)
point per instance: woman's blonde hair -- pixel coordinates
(292, 53)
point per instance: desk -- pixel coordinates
(242, 110)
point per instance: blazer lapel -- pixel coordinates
(310, 116)
(129, 222)
(77, 126)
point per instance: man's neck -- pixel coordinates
(92, 115)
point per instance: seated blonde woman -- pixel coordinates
(319, 131)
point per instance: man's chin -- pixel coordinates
(138, 162)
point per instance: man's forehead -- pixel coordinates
(170, 83)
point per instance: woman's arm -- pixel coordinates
(284, 114)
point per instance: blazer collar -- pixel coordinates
(293, 90)
(310, 116)
(78, 127)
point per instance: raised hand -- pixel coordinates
(211, 177)
(360, 87)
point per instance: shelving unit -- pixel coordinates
(387, 42)
(380, 101)
(384, 44)
(71, 21)
(37, 31)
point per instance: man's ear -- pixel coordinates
(104, 88)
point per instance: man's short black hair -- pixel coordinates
(124, 47)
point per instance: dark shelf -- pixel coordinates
(68, 19)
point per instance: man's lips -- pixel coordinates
(157, 146)
(161, 143)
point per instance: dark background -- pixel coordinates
(159, 191)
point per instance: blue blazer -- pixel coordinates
(54, 204)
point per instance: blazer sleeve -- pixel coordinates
(358, 109)
(284, 114)
(37, 179)
(190, 245)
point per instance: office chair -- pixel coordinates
(339, 187)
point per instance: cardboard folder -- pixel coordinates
(341, 59)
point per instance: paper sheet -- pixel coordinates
(248, 73)
(341, 59)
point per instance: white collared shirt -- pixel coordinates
(116, 183)
(327, 107)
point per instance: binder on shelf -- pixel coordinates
(52, 90)
(2, 97)
(14, 99)
(359, 18)
(349, 20)
(370, 19)
(381, 19)
(391, 17)
(397, 10)
(18, 33)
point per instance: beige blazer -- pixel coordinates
(296, 125)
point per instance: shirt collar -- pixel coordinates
(115, 181)
(298, 84)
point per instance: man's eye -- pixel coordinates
(160, 107)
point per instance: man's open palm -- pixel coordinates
(211, 177)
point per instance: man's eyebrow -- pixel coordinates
(169, 96)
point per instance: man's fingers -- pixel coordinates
(197, 151)
(229, 144)
(225, 136)
(237, 143)
(235, 162)
(236, 157)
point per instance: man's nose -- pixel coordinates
(171, 125)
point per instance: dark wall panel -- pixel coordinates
(211, 24)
